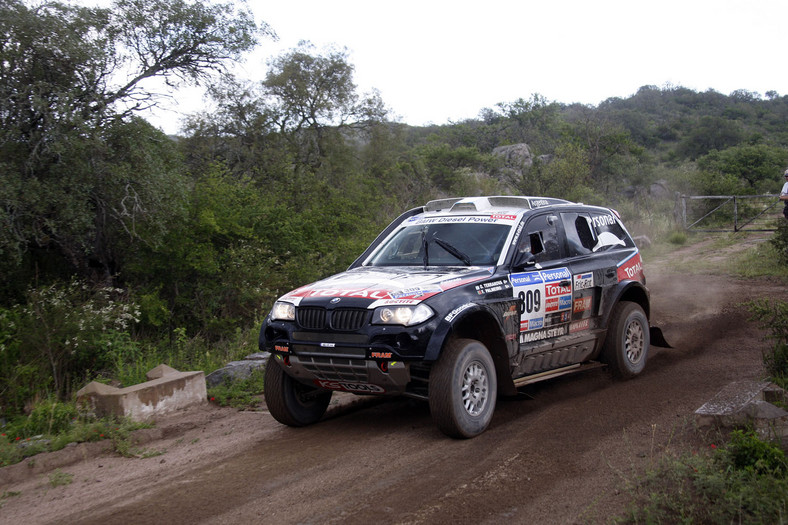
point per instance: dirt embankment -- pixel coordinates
(562, 452)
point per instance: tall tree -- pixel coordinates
(71, 79)
(314, 95)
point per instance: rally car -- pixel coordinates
(459, 301)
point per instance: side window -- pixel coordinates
(609, 232)
(580, 235)
(541, 238)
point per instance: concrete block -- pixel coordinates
(168, 390)
(747, 403)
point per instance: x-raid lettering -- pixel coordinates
(348, 386)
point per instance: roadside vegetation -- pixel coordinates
(741, 477)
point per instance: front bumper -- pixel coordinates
(374, 360)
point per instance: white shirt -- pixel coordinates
(785, 189)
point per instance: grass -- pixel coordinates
(18, 440)
(58, 478)
(242, 394)
(744, 480)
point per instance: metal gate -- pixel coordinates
(725, 213)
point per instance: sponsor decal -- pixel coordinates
(414, 293)
(492, 286)
(349, 386)
(551, 290)
(504, 216)
(556, 318)
(517, 233)
(333, 292)
(281, 348)
(565, 302)
(457, 311)
(380, 355)
(541, 292)
(551, 305)
(459, 281)
(511, 312)
(577, 326)
(582, 304)
(461, 219)
(538, 203)
(584, 281)
(394, 302)
(540, 335)
(532, 324)
(559, 274)
(631, 268)
(600, 221)
(525, 279)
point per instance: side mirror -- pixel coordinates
(525, 259)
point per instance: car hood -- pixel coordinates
(378, 286)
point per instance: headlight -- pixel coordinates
(404, 315)
(283, 311)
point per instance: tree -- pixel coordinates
(314, 95)
(69, 180)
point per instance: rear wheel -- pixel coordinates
(627, 343)
(290, 402)
(463, 389)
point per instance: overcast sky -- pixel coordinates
(436, 61)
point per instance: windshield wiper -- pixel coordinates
(452, 250)
(425, 245)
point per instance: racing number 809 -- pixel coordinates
(530, 301)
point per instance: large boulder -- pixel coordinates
(238, 370)
(515, 156)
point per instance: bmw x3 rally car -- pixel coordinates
(460, 301)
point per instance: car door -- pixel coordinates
(543, 286)
(592, 271)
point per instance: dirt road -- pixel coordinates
(561, 453)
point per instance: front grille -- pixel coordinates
(311, 318)
(341, 319)
(348, 319)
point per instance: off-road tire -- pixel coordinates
(463, 389)
(627, 342)
(290, 402)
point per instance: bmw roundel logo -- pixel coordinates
(335, 300)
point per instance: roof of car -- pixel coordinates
(474, 204)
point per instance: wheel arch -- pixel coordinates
(631, 291)
(481, 325)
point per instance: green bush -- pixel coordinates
(50, 417)
(745, 481)
(678, 238)
(780, 241)
(746, 451)
(773, 316)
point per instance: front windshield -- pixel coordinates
(444, 244)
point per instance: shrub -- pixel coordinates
(780, 241)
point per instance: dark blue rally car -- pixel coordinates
(459, 301)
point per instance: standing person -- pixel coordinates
(784, 194)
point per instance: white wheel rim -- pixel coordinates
(475, 389)
(634, 342)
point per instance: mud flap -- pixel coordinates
(657, 339)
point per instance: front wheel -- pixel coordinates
(627, 343)
(290, 402)
(463, 389)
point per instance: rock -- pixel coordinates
(515, 156)
(238, 370)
